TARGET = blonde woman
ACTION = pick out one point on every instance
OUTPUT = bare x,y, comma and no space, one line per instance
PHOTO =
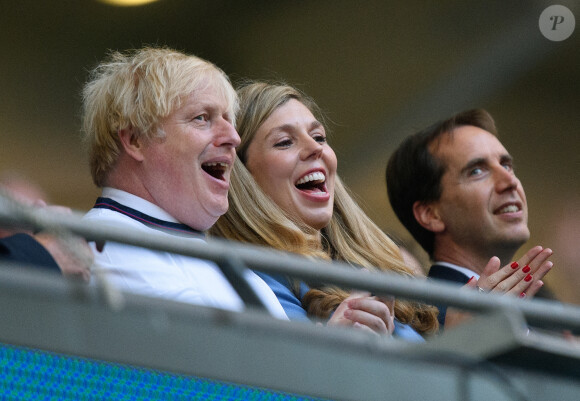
285,193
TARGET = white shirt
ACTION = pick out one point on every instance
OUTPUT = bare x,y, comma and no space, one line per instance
163,274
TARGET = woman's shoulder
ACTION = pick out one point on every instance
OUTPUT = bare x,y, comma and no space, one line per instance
406,332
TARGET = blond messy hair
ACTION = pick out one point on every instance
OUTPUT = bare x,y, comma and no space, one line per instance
351,236
137,90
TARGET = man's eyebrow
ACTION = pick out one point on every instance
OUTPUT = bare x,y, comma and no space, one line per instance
478,161
506,158
198,106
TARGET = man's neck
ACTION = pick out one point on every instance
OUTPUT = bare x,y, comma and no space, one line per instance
475,260
129,181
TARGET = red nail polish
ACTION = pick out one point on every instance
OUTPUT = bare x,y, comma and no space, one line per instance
472,277
523,295
514,265
526,269
528,277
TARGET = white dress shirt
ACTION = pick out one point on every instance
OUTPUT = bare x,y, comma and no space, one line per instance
163,274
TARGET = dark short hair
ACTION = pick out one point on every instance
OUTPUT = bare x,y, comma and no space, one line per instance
414,174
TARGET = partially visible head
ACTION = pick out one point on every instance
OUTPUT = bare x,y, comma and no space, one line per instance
22,189
160,125
137,90
412,262
411,257
457,174
283,145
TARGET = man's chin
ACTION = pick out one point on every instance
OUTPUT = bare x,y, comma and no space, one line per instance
205,221
517,238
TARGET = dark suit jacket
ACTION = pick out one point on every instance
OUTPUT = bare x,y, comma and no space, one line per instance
22,248
446,273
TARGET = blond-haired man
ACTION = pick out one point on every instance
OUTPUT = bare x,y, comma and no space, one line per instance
159,125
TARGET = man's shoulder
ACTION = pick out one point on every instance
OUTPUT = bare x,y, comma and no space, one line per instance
23,248
442,272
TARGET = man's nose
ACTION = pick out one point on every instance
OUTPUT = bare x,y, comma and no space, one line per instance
505,179
226,134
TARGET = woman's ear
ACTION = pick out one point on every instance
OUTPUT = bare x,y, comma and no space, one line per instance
132,143
427,215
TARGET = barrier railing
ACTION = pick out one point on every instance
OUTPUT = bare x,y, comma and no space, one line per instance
231,256
42,312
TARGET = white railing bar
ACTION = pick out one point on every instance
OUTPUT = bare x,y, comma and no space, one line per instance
543,313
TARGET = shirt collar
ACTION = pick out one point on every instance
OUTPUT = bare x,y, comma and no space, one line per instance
144,212
469,273
138,203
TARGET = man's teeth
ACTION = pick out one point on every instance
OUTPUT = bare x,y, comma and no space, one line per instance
509,209
318,176
221,164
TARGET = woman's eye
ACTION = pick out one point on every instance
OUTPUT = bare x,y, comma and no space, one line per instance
320,138
283,143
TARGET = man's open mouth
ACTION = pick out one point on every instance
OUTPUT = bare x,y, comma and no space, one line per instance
508,208
215,169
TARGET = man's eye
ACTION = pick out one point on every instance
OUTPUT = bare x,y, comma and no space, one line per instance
201,117
475,171
508,166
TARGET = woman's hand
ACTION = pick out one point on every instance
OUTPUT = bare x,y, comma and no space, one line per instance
366,312
521,278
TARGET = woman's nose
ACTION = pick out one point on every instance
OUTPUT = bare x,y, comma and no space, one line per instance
311,149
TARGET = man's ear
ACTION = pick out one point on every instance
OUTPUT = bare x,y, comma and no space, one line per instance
427,215
132,143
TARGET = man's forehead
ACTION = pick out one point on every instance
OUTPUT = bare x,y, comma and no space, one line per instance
465,143
211,95
201,90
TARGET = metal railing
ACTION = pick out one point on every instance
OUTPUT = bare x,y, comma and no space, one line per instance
232,257
42,312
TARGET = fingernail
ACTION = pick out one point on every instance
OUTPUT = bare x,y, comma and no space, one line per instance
523,295
514,265
528,277
526,269
472,277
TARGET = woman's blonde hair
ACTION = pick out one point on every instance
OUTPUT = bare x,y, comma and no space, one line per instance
350,237
136,90
255,218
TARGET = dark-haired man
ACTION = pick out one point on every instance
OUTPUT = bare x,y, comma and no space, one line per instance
453,187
